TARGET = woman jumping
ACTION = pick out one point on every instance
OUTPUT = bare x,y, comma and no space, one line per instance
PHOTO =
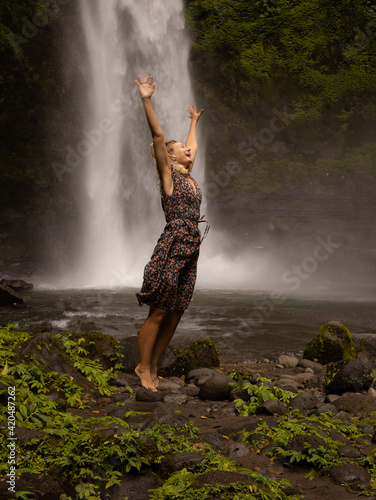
170,275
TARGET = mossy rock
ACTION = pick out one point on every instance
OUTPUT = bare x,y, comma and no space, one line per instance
350,375
332,343
101,347
199,354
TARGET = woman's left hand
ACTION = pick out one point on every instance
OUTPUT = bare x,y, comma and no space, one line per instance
193,114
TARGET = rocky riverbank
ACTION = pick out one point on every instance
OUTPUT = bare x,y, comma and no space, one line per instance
213,431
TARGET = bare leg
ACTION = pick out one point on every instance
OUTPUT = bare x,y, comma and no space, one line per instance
165,334
146,340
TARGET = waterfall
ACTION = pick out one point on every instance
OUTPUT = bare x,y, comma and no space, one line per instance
121,208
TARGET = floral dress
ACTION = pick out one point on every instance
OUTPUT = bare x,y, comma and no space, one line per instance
170,275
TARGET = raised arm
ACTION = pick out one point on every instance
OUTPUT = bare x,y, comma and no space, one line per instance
146,88
192,134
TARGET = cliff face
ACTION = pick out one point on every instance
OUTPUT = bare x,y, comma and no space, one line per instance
289,91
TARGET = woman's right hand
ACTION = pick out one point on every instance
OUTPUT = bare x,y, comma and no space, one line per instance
145,86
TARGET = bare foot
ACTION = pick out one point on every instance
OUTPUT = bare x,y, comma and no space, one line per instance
146,380
154,377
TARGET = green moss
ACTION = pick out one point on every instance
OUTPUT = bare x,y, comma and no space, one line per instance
199,354
332,343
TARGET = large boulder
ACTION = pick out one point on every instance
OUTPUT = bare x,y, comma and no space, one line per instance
350,375
17,285
333,342
183,354
8,296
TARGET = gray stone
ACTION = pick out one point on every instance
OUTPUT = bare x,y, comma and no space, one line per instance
133,487
272,407
343,416
236,450
347,375
198,376
216,388
288,361
148,396
305,401
192,391
216,441
307,363
166,384
178,461
349,474
358,405
326,408
349,451
176,398
330,398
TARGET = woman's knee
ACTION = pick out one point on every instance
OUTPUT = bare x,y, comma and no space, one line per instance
158,315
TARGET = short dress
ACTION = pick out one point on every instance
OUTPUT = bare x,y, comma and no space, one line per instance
170,275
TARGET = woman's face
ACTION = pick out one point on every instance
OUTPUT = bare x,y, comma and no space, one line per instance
181,154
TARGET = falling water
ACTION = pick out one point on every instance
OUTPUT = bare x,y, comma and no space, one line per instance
120,202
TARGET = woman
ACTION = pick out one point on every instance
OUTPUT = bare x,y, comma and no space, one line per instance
170,275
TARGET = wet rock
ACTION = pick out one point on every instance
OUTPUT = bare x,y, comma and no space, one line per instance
358,405
191,391
307,363
186,353
236,450
343,416
333,342
366,346
299,443
272,407
222,477
179,461
305,401
216,441
227,409
330,398
254,377
240,394
326,408
176,398
347,375
148,396
349,451
164,415
199,376
119,397
49,353
285,386
216,388
288,361
166,384
134,487
17,285
125,379
8,297
350,474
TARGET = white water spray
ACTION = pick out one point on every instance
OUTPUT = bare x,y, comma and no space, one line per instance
122,215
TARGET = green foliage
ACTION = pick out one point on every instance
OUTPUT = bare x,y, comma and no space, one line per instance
259,394
314,61
182,485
